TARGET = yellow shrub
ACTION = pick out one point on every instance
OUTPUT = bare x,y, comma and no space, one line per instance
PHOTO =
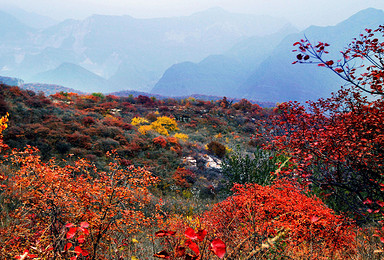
139,121
163,125
144,129
158,127
181,136
169,123
3,123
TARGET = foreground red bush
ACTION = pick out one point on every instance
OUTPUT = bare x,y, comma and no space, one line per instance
257,217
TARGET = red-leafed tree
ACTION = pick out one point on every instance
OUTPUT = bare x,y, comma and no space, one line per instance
46,201
336,144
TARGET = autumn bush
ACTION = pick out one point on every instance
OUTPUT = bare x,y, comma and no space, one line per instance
42,198
281,218
184,177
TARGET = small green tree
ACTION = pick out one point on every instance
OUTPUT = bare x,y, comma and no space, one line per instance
250,168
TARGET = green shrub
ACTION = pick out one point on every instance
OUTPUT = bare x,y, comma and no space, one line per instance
245,168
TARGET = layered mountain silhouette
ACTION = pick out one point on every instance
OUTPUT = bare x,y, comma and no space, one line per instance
69,74
210,53
30,18
266,66
276,79
220,74
128,53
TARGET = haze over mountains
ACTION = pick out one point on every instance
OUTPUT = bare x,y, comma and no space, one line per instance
273,77
128,52
212,52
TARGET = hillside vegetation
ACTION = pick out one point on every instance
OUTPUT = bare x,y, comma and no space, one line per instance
107,177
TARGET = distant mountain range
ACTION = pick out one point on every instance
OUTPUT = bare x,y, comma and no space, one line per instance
47,89
220,74
31,19
276,79
261,68
122,52
211,53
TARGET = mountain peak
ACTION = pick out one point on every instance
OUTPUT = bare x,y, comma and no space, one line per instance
370,14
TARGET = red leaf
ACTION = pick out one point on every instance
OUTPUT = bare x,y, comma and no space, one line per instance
299,56
81,239
190,233
78,250
321,65
84,252
67,246
296,43
314,219
339,70
162,254
193,246
306,57
201,234
74,257
84,225
164,233
218,247
71,233
330,62
69,225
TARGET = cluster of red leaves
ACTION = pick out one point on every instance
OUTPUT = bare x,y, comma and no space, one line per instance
161,141
344,129
183,177
174,142
171,141
367,47
336,143
72,230
257,213
195,241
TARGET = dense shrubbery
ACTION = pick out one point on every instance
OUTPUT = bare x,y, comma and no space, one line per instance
257,217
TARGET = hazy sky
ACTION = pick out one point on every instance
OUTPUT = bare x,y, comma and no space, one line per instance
301,13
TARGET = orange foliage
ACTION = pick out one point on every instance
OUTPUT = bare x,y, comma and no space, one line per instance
46,196
160,141
281,211
181,177
3,126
